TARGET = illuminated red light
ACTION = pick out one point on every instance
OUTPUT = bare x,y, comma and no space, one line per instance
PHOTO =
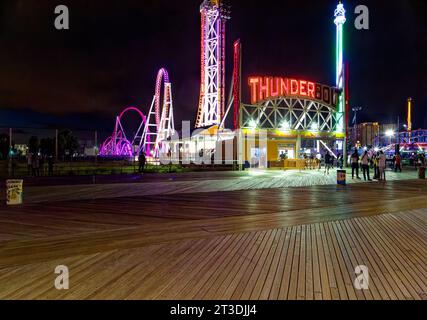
310,89
274,87
264,88
303,88
284,86
253,83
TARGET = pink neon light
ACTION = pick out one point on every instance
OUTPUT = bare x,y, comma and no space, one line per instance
220,27
202,66
117,144
263,88
161,75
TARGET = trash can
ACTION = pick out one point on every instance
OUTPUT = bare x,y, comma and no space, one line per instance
14,189
341,177
422,173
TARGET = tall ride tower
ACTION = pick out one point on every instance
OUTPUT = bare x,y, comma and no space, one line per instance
339,22
214,15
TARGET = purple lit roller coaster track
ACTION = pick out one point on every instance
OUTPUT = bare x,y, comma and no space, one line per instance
151,132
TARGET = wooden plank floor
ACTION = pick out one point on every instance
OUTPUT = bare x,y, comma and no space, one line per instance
299,243
182,184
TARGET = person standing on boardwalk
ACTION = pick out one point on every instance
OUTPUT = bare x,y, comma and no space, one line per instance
398,163
328,160
37,165
142,159
355,164
381,166
340,161
29,163
319,161
50,165
41,165
365,166
375,159
34,165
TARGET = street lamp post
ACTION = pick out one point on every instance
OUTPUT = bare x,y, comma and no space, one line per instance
356,110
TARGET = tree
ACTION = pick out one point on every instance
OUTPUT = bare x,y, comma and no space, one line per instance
33,144
67,143
4,146
47,147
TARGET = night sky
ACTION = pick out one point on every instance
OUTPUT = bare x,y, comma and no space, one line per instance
109,58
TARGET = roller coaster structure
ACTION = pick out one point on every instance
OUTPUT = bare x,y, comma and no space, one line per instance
152,131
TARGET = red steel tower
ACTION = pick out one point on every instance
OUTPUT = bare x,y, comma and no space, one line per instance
214,15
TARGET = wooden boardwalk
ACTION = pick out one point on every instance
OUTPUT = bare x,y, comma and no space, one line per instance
190,183
301,243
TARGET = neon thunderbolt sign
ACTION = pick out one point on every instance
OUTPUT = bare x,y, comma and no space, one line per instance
339,22
266,88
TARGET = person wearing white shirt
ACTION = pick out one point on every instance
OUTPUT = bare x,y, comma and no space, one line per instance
365,166
381,165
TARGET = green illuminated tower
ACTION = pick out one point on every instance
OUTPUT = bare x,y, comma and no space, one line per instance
339,21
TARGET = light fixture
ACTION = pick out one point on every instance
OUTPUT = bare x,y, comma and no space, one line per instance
285,125
389,133
253,124
314,126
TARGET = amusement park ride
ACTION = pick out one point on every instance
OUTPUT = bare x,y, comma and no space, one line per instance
152,131
214,15
289,109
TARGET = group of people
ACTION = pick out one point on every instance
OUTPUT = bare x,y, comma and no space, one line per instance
377,160
418,160
312,162
364,163
36,165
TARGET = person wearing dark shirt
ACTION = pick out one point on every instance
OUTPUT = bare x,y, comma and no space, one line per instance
142,159
355,164
398,163
328,160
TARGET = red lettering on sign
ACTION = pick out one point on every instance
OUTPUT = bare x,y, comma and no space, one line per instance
294,87
274,87
303,88
310,90
318,92
253,84
264,88
284,87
